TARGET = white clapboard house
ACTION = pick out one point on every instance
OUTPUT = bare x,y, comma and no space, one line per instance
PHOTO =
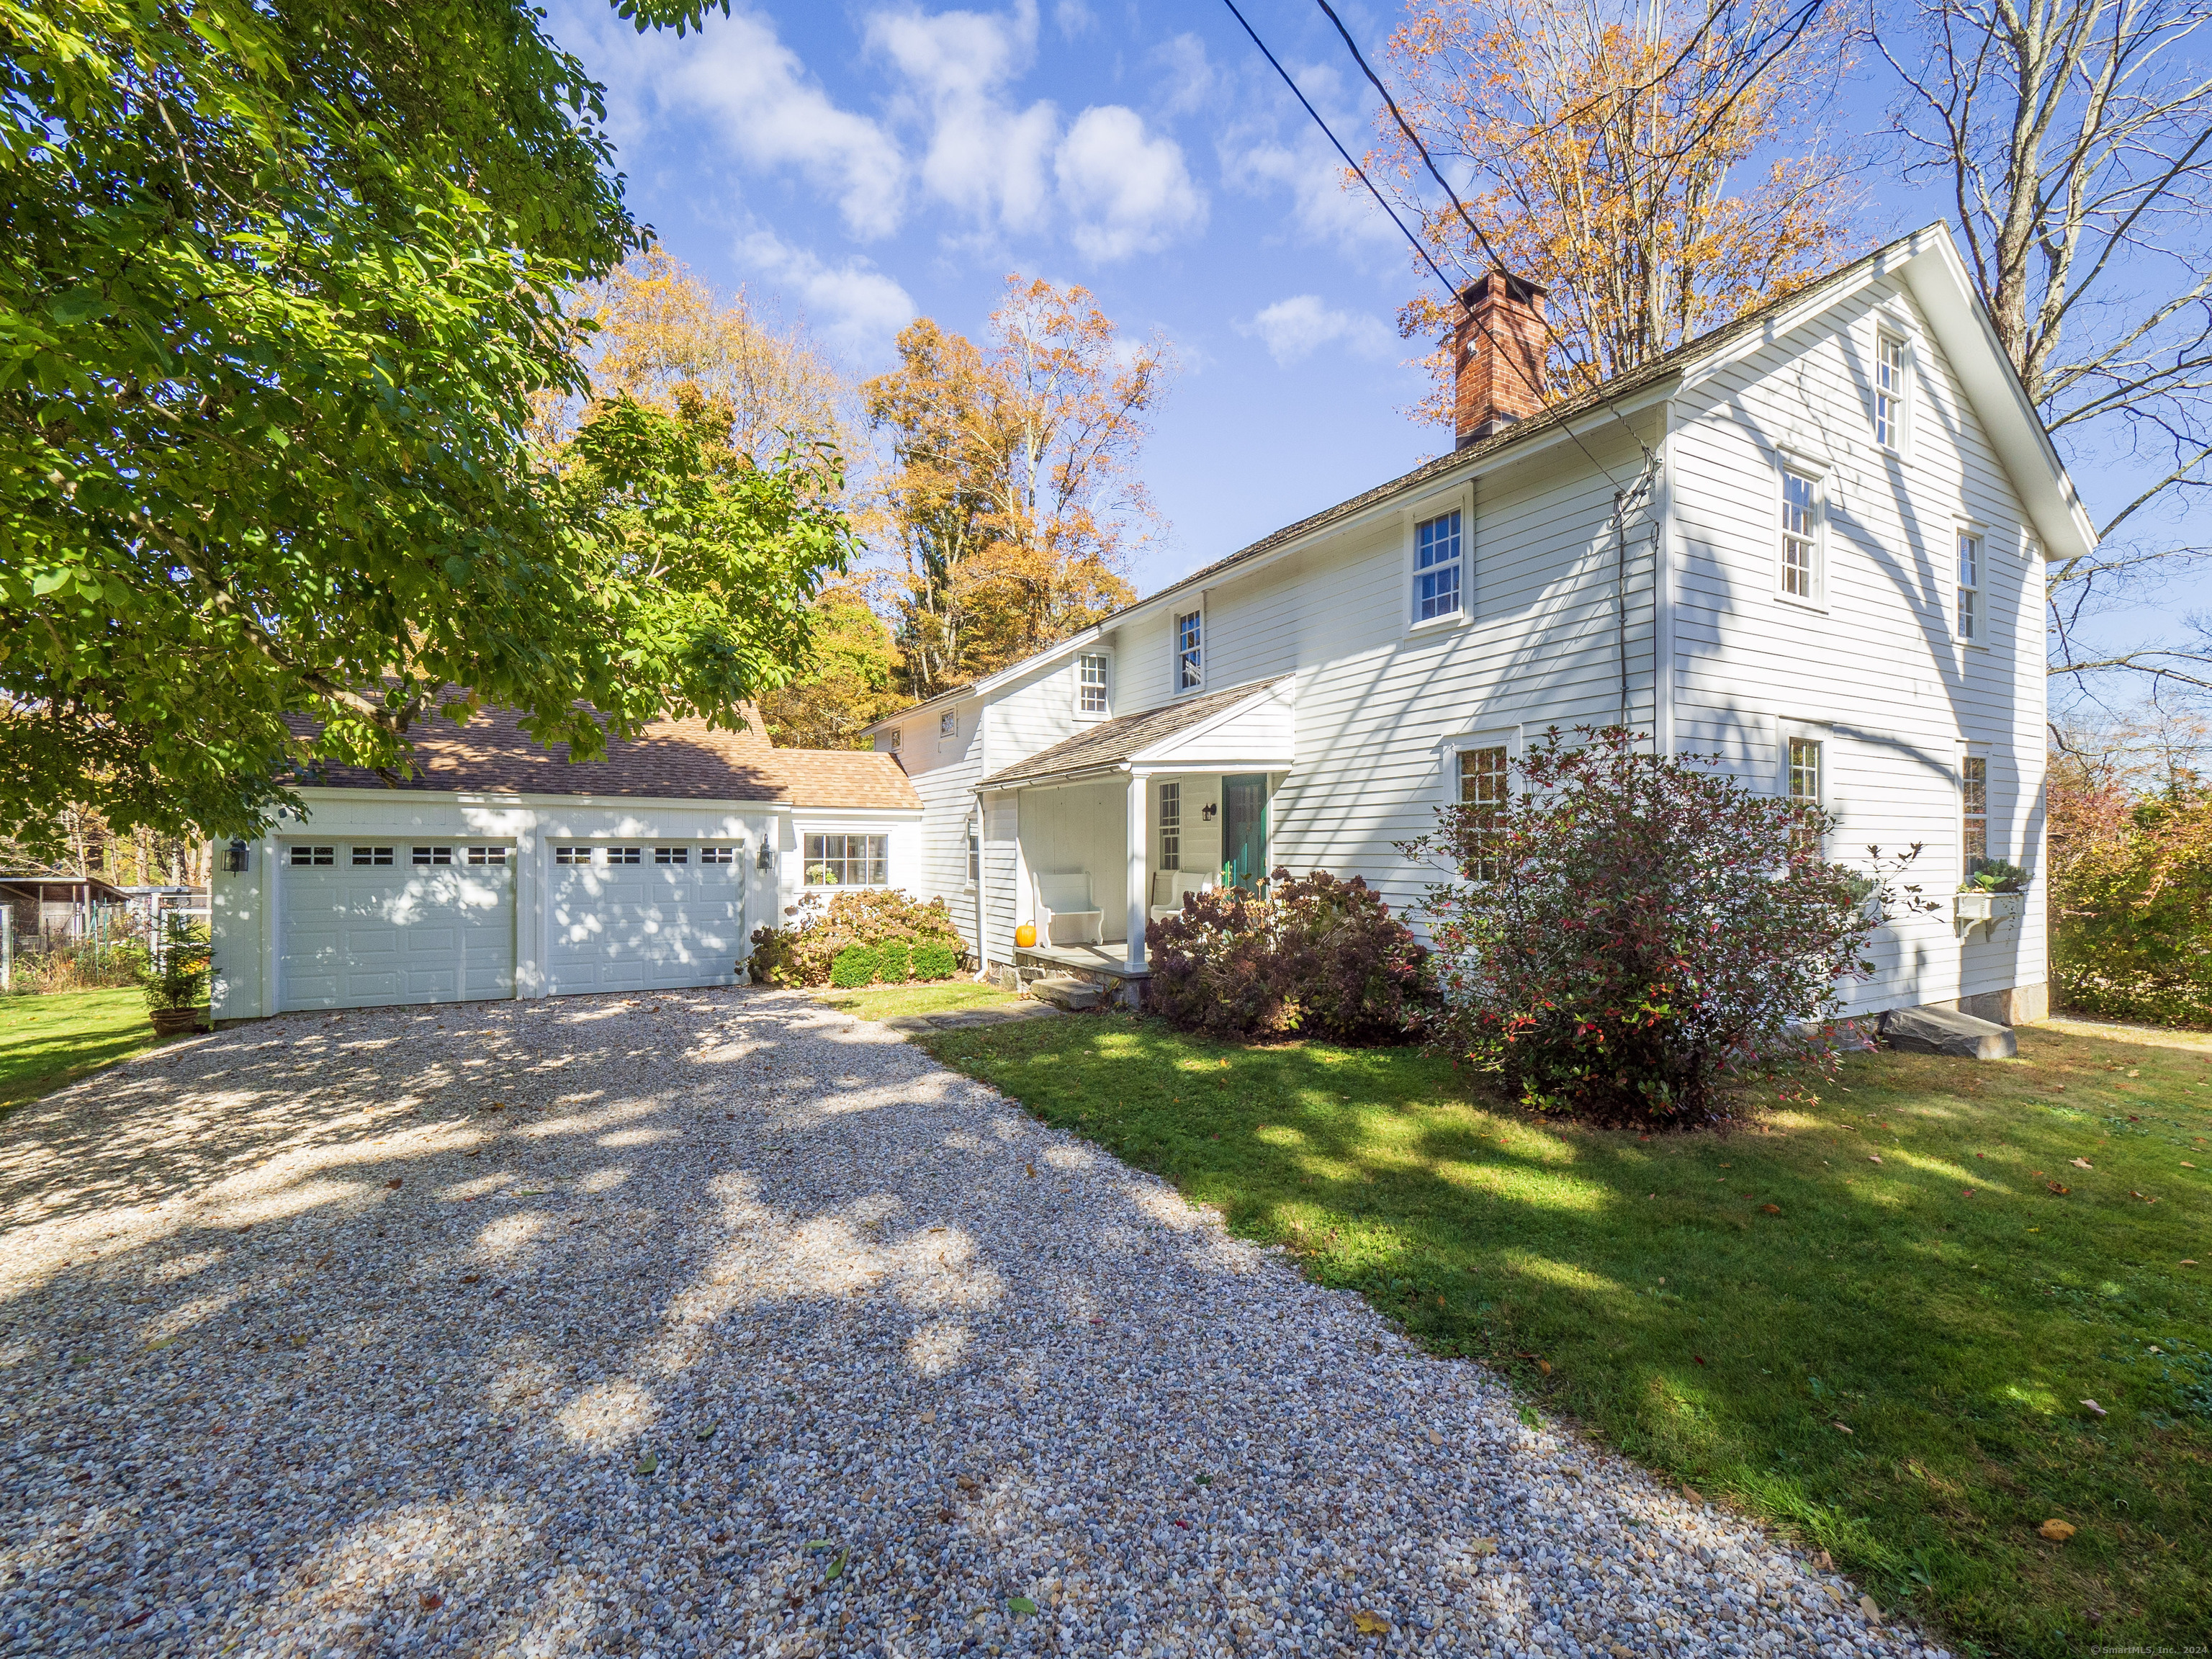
1831,574
502,869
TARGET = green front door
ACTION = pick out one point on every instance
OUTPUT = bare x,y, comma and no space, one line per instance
1244,830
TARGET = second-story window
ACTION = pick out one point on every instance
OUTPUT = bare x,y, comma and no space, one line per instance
1970,587
1436,567
1090,683
1973,813
1801,537
1190,650
948,723
1889,392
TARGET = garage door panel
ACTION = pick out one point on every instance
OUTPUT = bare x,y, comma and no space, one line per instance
353,937
639,928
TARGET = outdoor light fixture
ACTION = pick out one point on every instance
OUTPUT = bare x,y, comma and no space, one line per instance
234,860
1207,811
766,859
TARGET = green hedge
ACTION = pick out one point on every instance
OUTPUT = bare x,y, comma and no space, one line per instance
904,936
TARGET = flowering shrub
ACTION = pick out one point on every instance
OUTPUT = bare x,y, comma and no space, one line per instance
1319,957
2131,903
927,943
1638,928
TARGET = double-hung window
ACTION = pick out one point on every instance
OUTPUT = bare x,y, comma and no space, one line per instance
1091,688
1801,537
1970,587
1973,813
848,860
1436,567
1483,783
1171,826
1889,383
975,851
1190,650
1805,786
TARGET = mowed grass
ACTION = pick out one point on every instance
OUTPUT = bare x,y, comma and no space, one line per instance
935,997
48,1040
1872,1320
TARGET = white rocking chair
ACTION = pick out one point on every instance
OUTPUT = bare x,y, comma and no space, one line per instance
1064,913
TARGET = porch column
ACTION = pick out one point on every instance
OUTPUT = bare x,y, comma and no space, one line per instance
1136,847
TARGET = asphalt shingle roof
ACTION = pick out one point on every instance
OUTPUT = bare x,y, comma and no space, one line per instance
672,759
1111,742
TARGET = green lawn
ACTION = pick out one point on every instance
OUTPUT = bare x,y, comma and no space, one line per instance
941,996
46,1041
1872,1320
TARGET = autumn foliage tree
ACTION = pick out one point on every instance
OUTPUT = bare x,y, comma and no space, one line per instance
1011,493
1652,167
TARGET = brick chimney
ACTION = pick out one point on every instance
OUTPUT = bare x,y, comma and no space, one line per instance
1498,349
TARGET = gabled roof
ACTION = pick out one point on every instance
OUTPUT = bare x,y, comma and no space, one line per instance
1113,742
1928,260
672,759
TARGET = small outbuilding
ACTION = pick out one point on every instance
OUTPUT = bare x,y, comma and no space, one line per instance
500,868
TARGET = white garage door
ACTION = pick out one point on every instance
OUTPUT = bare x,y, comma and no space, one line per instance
645,916
365,924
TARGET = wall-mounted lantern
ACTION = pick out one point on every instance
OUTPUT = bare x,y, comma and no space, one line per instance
765,860
235,859
1207,811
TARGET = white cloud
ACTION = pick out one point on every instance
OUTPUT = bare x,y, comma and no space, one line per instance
1328,205
759,100
983,155
1294,329
1074,18
1182,74
852,305
1128,190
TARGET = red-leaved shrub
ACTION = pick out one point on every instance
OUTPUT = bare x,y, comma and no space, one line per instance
1627,930
1317,957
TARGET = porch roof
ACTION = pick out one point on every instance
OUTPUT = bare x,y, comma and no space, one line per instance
1153,735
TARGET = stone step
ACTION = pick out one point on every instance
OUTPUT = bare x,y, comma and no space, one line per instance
1065,991
1947,1031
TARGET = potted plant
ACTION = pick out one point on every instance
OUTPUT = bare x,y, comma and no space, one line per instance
1995,893
176,979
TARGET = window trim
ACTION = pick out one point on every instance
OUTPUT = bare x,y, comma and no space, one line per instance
1175,649
948,725
1970,752
1447,754
1161,828
1886,332
888,742
1459,500
974,825
1819,473
845,858
1106,685
1963,529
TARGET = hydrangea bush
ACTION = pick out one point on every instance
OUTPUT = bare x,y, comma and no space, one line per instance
899,937
1628,930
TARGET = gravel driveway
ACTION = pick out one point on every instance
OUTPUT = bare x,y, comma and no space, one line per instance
718,1322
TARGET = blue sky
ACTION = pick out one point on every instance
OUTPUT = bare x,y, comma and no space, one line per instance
867,163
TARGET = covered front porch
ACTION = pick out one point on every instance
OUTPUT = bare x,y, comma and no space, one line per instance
1114,825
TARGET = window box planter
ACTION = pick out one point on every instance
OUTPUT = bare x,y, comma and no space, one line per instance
1987,911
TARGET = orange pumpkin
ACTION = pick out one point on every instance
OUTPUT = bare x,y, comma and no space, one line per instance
1026,935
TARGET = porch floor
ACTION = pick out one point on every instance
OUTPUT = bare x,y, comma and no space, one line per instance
1108,959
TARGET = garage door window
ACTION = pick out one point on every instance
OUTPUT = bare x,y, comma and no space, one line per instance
848,860
433,856
372,855
314,855
625,855
572,856
487,855
671,855
717,855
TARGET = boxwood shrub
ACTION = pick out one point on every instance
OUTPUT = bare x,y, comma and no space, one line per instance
825,927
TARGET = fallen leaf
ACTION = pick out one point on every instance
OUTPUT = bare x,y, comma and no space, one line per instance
1967,1193
323,1261
648,1464
2188,1262
2082,1164
929,1416
2095,1407
1692,1494
1841,1428
708,1433
2146,1198
1825,1562
1029,1168
471,1279
1873,1157
837,1569
1771,1209
1020,1604
2056,1188
2056,1530
1435,1439
1872,1612
1483,1547
1699,1358
393,1183
1370,1624
431,1601
1545,1366
2186,1165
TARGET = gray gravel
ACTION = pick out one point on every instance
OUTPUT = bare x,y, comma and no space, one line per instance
715,1323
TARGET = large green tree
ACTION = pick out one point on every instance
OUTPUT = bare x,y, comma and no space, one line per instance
278,284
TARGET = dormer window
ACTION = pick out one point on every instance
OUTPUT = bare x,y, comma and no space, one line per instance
1190,650
948,723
